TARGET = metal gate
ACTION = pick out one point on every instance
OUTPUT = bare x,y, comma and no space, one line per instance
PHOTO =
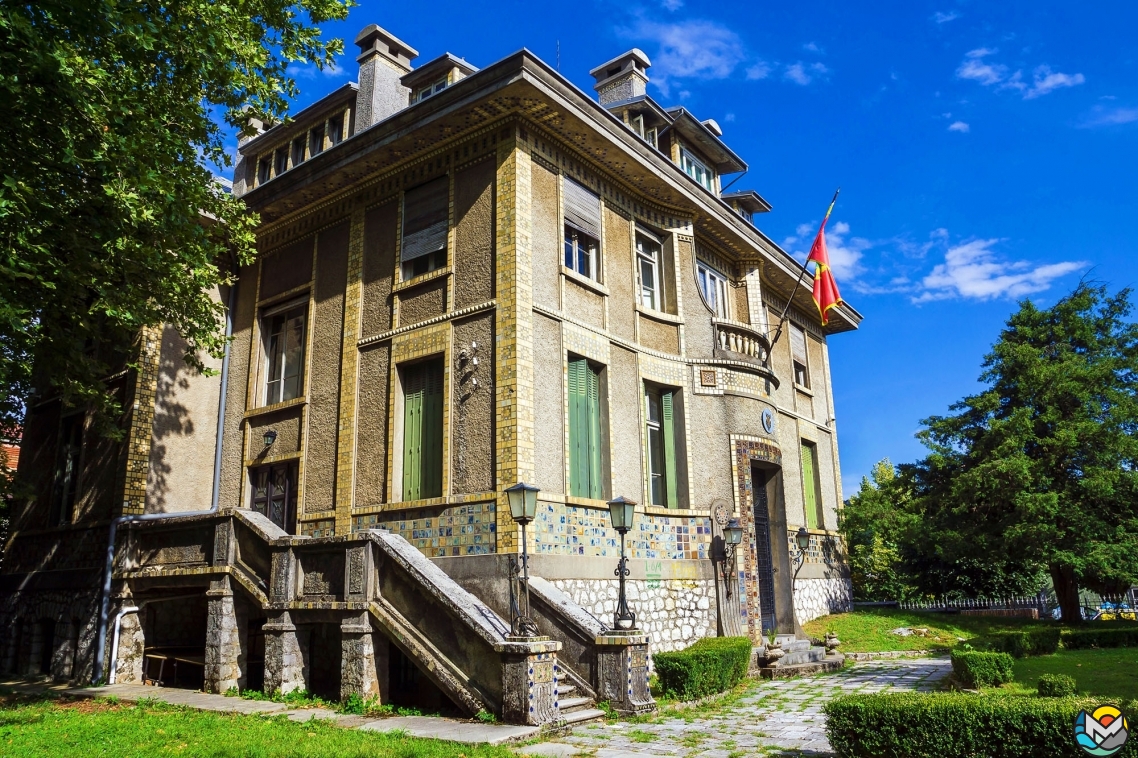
764,565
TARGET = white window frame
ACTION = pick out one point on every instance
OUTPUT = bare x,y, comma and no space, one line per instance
651,258
573,247
714,286
432,89
696,169
266,335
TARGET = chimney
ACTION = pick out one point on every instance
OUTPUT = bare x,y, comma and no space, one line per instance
622,78
383,59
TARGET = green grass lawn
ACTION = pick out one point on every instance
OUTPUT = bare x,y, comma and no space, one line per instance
1108,673
867,630
35,727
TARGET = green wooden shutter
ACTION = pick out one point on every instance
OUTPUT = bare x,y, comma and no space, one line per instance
578,429
594,418
432,468
413,397
809,485
668,427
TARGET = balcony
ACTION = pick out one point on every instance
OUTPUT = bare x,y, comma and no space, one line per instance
740,342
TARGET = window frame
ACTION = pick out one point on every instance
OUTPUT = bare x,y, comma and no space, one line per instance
817,519
266,335
691,165
422,430
434,260
662,461
431,89
655,261
573,251
797,332
721,304
585,415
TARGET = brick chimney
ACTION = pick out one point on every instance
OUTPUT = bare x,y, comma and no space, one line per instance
622,78
383,59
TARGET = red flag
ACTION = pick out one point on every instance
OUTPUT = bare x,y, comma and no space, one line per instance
826,295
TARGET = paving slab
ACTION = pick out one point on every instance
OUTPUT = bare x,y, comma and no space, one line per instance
549,750
189,698
449,729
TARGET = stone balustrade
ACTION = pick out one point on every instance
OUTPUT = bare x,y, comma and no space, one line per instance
739,341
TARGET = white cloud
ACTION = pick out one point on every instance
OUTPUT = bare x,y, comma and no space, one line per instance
971,270
673,5
943,18
958,126
975,68
812,47
804,73
310,72
729,117
845,251
758,70
1100,116
1046,81
690,50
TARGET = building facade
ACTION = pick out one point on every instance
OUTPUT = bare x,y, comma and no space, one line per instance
467,278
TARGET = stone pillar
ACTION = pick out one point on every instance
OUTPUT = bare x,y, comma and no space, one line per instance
529,681
284,660
130,666
223,643
622,665
358,673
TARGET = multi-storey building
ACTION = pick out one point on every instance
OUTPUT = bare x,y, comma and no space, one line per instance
467,278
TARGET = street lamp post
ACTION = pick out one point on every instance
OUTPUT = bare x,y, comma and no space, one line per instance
732,536
622,511
523,508
802,540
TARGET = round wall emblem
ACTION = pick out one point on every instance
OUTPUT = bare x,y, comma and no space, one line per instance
768,420
720,512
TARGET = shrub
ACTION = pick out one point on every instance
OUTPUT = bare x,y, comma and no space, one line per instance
976,668
1024,642
713,664
956,725
1081,639
1056,685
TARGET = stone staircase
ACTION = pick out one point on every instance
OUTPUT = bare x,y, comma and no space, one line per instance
576,708
802,658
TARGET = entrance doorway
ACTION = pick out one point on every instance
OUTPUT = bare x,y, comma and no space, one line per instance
764,554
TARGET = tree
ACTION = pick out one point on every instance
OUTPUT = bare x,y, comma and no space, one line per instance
110,217
1040,466
873,522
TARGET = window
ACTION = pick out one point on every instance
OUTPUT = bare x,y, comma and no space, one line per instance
431,89
284,353
585,430
68,451
660,415
280,161
714,287
336,129
810,486
274,493
316,140
298,151
648,268
582,229
425,212
264,170
798,356
696,170
423,430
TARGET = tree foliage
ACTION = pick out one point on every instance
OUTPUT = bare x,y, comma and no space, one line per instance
1035,473
110,218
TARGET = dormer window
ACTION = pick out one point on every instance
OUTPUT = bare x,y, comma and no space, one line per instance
298,151
280,161
264,170
694,168
316,140
336,129
431,89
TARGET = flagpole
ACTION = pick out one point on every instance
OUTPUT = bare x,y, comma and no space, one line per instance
797,284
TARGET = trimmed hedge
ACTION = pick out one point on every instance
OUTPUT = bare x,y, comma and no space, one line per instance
1082,639
977,668
713,664
1025,642
1056,685
953,725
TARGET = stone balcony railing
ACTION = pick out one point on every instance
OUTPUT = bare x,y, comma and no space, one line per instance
737,341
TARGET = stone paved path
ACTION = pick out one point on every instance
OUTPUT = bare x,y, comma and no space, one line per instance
782,717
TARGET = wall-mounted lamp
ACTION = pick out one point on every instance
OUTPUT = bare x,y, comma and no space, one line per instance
732,536
270,437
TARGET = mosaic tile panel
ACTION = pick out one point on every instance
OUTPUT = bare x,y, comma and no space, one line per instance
561,529
468,529
321,528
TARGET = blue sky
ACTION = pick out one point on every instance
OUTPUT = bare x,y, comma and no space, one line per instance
986,152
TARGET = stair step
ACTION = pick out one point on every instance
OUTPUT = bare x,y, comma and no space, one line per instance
809,655
794,646
579,716
570,703
565,689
